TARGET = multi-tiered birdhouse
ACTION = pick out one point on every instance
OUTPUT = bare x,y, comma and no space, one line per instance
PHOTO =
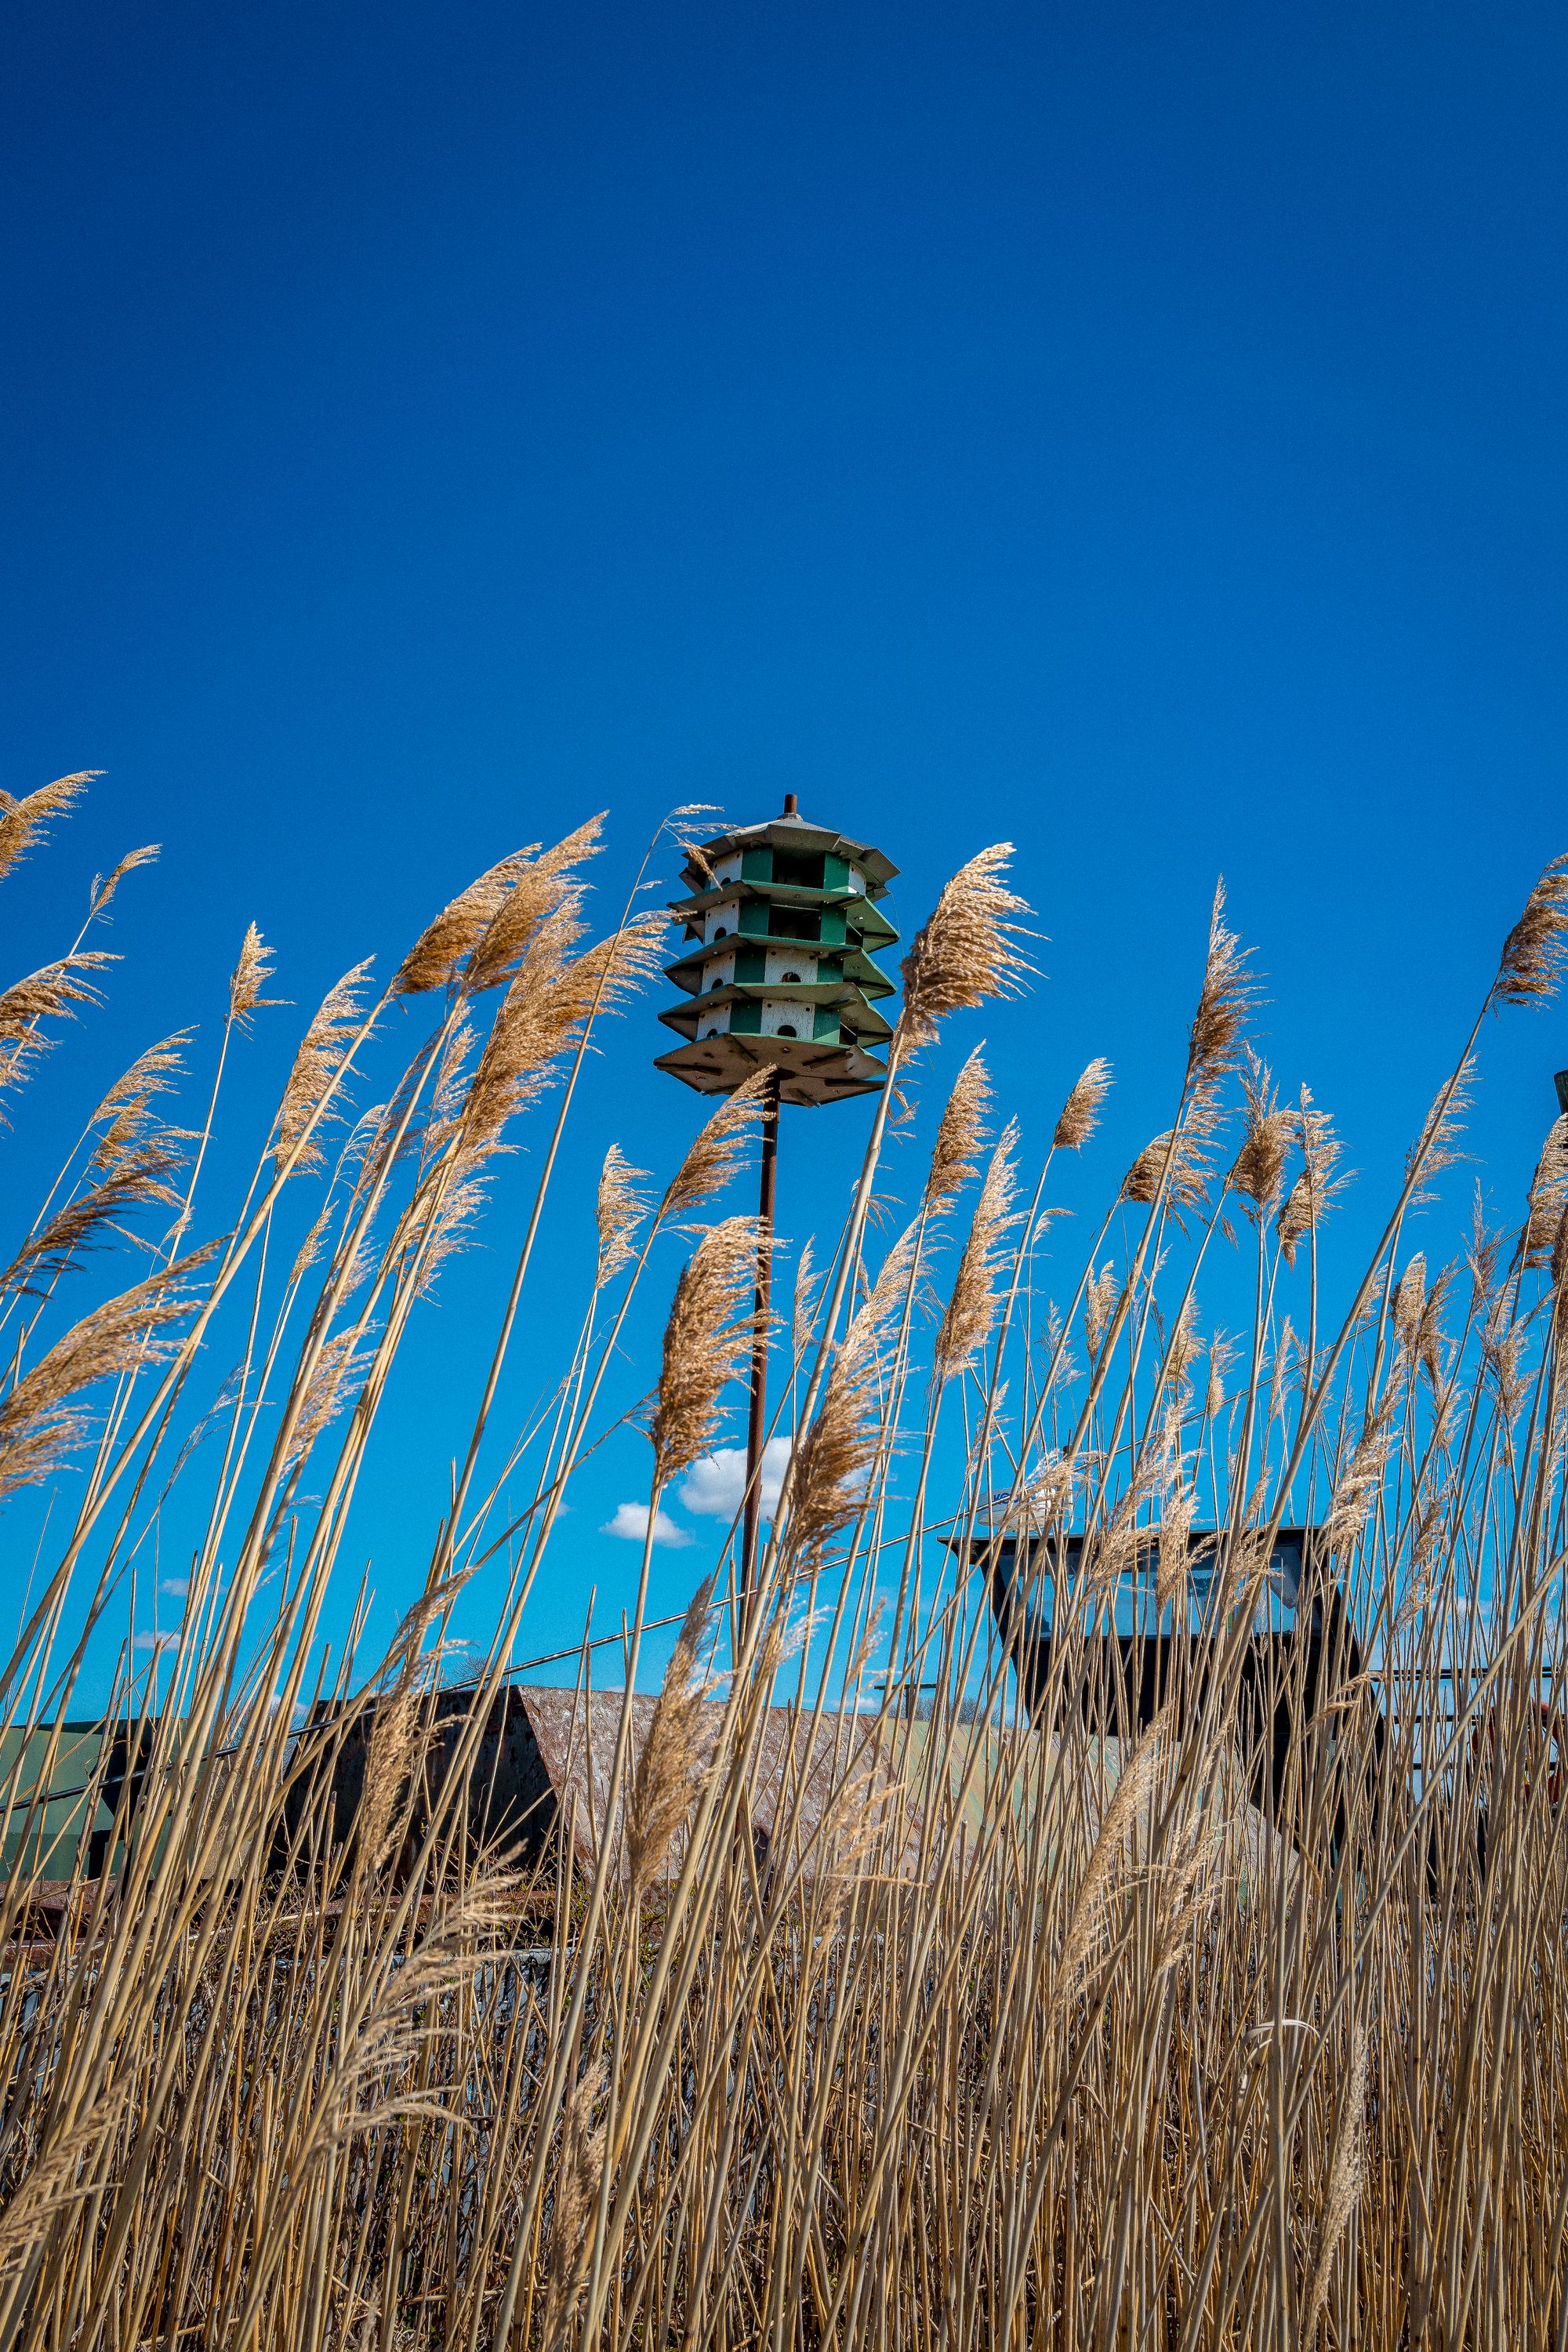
782,930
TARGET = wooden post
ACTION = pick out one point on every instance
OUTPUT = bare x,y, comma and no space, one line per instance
757,1425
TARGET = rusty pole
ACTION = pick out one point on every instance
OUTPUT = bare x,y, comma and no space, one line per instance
757,1425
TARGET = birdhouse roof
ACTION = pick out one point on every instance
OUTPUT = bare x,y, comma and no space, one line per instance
799,833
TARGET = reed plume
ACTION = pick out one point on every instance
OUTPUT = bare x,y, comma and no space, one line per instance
50,993
1436,1146
536,892
960,1134
25,822
1099,1294
1359,1481
1308,1202
124,1113
138,1178
341,1371
1225,1001
69,2167
545,1010
1081,1112
251,975
1346,2175
1118,1825
438,955
577,2173
1548,1197
317,1064
620,1207
1175,1549
966,950
674,1754
717,1151
104,886
37,1422
1179,1159
704,1345
825,1483
1258,1168
803,1317
970,1312
1531,967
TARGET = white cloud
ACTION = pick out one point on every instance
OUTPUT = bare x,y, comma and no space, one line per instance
630,1522
159,1641
713,1487
177,1587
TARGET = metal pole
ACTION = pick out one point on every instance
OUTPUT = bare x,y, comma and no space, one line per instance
757,1425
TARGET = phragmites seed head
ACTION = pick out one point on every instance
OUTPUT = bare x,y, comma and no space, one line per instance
1259,1166
825,1483
479,935
1548,1196
249,977
26,822
37,1422
50,994
125,1113
1225,1001
1359,1481
605,976
690,826
803,1320
438,954
341,1369
619,1210
1436,1146
971,1310
1045,1497
1098,1303
138,1176
1129,1801
673,1755
1222,1358
960,1134
1081,1112
706,1340
535,1021
1347,2178
47,994
717,1151
577,2173
1181,1352
1307,1202
104,886
320,1057
1175,1549
1409,1302
538,887
1177,1159
965,951
1534,950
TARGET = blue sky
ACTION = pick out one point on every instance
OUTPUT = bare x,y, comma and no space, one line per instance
1131,431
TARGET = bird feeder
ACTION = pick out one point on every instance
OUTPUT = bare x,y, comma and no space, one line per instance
782,928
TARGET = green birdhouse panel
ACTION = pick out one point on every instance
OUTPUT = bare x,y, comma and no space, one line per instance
780,927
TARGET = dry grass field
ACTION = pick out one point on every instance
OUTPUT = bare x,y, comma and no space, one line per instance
1008,2035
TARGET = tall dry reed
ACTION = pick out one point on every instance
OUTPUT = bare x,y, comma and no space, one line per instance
871,2006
